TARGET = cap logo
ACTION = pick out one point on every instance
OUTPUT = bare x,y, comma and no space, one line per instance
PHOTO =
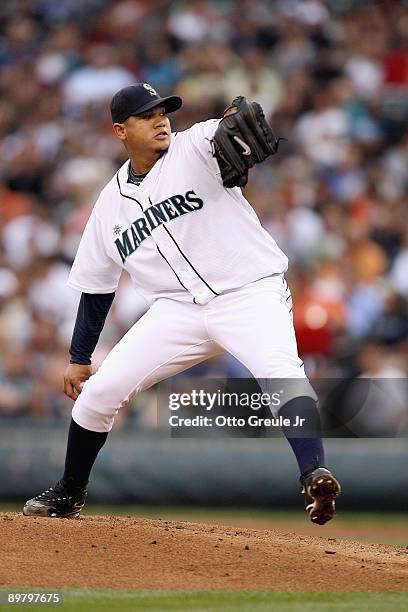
150,89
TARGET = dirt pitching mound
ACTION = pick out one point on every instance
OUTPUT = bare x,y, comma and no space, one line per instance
134,553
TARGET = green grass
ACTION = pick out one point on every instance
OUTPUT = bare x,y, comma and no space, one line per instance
227,601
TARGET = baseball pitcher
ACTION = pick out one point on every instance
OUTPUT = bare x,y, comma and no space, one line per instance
174,217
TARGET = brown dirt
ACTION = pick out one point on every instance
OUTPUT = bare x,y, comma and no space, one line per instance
378,531
135,553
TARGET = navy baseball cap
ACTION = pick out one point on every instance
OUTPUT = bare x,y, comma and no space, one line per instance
136,99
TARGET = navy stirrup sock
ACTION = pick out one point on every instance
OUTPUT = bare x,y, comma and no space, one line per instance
82,449
308,451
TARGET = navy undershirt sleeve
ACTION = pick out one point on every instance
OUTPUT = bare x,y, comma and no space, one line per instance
92,312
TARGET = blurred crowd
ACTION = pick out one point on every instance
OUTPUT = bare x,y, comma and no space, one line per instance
332,77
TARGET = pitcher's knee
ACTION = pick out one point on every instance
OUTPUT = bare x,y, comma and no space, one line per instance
280,366
99,402
92,419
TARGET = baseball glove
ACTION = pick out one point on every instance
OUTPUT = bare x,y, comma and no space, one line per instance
242,140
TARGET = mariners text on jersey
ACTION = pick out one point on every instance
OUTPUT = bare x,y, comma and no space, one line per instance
167,210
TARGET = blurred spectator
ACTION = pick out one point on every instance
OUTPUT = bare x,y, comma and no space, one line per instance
323,131
98,79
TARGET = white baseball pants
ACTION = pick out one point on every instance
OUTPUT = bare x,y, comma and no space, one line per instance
253,323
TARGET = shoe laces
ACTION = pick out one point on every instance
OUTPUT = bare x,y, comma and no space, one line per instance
55,493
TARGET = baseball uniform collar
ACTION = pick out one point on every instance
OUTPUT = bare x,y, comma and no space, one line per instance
130,189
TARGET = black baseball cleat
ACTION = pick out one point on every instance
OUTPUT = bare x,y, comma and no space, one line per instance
320,489
59,501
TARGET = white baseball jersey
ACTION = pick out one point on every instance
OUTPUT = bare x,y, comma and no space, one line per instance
179,234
